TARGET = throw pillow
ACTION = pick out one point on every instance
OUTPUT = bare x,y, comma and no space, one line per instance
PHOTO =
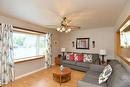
80,58
87,58
105,74
71,56
76,57
102,79
107,71
67,56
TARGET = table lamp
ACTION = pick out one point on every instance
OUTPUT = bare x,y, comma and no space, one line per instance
103,54
63,51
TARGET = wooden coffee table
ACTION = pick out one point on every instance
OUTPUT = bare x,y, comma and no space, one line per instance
60,76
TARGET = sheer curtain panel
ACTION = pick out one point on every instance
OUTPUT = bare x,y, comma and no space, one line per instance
6,56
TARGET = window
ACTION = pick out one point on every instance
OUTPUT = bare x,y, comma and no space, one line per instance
28,45
125,39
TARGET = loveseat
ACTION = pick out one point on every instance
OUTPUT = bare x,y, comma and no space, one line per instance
119,77
82,66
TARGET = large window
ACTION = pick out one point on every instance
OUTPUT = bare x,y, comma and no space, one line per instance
125,39
28,45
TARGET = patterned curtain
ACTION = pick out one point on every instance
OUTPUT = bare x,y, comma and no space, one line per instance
6,44
48,54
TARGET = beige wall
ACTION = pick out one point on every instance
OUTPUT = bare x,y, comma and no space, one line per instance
103,37
27,67
121,19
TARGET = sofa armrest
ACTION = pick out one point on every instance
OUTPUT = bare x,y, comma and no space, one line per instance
82,83
96,68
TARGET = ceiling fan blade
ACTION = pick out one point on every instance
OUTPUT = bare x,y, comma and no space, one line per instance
51,26
64,23
74,27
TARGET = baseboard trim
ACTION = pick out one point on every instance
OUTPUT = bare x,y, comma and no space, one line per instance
21,76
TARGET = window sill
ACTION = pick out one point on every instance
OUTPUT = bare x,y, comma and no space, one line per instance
127,60
28,59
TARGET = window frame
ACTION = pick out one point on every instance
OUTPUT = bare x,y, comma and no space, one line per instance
118,44
29,59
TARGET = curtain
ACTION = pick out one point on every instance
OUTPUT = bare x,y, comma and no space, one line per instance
48,54
6,44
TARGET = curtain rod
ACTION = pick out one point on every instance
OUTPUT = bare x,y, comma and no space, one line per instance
26,29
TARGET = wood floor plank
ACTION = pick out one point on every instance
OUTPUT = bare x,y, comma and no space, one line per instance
44,79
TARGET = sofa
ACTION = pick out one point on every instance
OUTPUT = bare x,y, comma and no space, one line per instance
119,77
81,66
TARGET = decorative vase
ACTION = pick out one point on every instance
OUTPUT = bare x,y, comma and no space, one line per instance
62,68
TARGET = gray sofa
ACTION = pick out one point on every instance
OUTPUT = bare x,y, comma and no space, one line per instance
119,77
82,66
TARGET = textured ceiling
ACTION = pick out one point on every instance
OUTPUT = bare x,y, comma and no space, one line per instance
85,13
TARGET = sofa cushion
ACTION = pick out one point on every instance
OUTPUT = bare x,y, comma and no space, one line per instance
119,75
94,81
85,84
82,64
115,67
114,64
96,68
69,62
92,74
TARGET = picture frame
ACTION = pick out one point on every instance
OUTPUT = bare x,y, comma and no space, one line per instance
82,43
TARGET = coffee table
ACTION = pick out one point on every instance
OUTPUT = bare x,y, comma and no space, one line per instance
62,76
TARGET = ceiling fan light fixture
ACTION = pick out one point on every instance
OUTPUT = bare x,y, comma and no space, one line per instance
69,29
66,31
63,29
58,29
65,26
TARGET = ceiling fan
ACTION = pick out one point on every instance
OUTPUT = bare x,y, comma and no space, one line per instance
65,25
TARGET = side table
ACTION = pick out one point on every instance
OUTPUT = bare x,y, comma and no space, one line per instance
58,60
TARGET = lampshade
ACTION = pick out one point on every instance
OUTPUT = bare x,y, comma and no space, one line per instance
62,49
102,52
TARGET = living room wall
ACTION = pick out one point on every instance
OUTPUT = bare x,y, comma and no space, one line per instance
103,37
24,68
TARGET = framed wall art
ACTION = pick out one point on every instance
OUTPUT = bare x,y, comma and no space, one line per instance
82,43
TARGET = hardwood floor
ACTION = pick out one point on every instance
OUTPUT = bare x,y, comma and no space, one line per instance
44,79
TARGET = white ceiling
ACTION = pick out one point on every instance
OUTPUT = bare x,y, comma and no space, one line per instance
85,13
